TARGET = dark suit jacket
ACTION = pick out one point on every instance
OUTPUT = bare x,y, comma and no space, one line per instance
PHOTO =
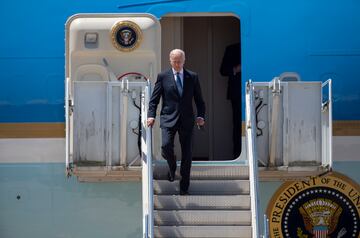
175,107
231,59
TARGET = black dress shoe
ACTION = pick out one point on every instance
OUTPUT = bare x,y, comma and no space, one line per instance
182,193
171,176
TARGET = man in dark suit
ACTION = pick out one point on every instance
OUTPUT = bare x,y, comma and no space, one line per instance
231,67
177,87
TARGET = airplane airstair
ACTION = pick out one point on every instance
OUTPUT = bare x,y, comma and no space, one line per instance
218,204
222,200
107,89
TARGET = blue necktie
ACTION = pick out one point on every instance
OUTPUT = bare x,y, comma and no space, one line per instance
179,84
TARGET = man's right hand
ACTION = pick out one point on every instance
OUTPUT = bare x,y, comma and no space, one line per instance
150,121
236,69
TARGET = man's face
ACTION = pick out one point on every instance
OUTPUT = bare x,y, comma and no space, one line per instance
177,62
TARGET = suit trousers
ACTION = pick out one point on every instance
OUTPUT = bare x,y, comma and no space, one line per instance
237,127
167,150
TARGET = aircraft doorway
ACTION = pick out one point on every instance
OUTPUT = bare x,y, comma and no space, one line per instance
204,40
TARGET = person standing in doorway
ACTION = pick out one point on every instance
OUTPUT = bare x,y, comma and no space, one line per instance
231,67
177,87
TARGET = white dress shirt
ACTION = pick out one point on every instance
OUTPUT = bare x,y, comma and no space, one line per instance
181,74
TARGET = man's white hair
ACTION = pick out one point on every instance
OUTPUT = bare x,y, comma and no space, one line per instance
177,52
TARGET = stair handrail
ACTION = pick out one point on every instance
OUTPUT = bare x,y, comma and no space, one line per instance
67,125
329,134
266,226
147,169
252,158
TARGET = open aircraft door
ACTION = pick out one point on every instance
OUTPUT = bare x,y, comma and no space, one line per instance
111,60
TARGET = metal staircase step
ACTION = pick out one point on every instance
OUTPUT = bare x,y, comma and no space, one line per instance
205,217
202,231
218,204
202,202
204,187
207,172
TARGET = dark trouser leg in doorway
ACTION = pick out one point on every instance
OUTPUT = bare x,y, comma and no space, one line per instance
236,108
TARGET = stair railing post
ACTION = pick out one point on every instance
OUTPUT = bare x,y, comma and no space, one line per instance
327,126
67,125
147,170
252,158
266,227
330,125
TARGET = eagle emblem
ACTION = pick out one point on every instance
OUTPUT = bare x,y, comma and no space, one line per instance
320,216
126,36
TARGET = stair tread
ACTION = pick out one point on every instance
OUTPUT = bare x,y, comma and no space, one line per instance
201,202
207,172
204,187
202,231
218,204
203,217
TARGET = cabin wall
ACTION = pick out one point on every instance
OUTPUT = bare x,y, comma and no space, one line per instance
204,40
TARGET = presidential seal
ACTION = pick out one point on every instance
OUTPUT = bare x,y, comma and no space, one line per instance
320,207
126,36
